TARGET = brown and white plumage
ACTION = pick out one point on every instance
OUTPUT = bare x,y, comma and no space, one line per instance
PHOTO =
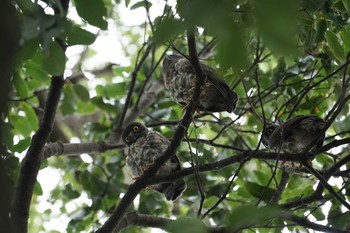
144,147
294,135
179,78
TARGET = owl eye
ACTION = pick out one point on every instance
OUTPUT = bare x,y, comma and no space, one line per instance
135,128
269,131
127,139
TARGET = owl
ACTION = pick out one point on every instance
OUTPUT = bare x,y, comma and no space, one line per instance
180,78
294,135
144,147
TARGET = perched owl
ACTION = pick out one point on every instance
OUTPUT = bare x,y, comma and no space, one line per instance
179,78
144,147
294,135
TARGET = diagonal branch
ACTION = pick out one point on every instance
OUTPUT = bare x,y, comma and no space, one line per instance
307,224
31,162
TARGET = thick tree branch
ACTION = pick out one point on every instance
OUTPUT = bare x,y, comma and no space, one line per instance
9,37
31,162
72,149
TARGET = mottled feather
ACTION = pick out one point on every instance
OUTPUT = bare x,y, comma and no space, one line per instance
294,135
144,147
179,78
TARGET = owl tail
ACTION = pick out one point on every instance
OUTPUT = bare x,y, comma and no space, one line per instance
173,190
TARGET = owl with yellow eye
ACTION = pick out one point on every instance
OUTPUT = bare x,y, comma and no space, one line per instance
144,147
295,135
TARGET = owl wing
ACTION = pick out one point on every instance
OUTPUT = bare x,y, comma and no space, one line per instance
312,124
157,142
161,143
174,189
284,131
216,80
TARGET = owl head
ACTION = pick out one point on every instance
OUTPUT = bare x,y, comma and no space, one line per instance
133,132
169,59
267,135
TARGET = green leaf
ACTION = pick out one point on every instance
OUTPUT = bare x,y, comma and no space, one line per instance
127,3
93,11
247,215
77,35
35,70
55,60
114,90
86,107
22,145
347,5
69,192
98,101
30,8
20,86
312,5
334,45
27,50
68,105
81,92
209,202
324,160
187,225
337,219
345,36
31,115
22,125
321,29
259,191
167,29
141,4
37,189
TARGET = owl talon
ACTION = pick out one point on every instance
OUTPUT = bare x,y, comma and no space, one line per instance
147,166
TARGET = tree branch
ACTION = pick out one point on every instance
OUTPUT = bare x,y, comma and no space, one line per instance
306,223
71,149
9,39
31,162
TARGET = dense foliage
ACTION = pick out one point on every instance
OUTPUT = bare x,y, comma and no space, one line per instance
283,58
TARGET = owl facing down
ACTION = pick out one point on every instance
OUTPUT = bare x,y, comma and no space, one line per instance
144,147
294,135
179,78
